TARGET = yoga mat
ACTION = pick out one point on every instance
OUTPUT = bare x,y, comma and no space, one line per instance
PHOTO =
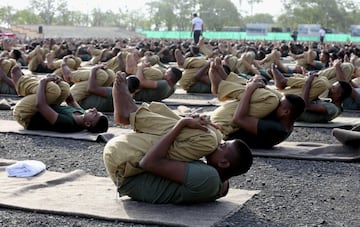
191,102
14,127
79,194
311,151
347,137
339,122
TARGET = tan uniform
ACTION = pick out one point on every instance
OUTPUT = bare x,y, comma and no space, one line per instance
304,60
191,67
34,62
356,81
113,63
330,73
151,121
263,102
236,64
27,87
296,83
95,56
270,59
80,78
6,65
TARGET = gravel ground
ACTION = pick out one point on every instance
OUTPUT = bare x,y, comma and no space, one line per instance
293,192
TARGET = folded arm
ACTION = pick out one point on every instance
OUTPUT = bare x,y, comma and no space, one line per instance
43,107
156,161
93,87
241,117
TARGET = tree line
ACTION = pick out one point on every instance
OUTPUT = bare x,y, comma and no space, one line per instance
171,15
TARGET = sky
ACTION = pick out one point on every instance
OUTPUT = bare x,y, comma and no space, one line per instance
272,7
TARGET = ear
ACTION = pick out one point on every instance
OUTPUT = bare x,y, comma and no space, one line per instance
286,111
223,164
87,124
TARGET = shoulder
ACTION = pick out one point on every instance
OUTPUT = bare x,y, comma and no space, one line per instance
202,182
197,170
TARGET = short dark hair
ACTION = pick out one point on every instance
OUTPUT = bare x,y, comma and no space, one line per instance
195,14
177,74
133,83
240,162
346,89
17,53
297,105
101,125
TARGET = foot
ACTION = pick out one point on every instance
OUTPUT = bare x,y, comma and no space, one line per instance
16,74
66,72
124,104
50,60
215,75
201,42
131,63
279,79
179,58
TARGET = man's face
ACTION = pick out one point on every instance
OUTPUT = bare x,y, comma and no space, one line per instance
92,116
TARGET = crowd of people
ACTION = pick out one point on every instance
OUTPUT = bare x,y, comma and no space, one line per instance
65,85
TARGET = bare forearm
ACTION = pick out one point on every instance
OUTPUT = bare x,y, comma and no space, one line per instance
306,89
243,107
201,75
160,150
41,95
92,79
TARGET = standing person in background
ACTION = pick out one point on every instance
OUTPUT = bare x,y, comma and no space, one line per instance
197,27
294,35
322,35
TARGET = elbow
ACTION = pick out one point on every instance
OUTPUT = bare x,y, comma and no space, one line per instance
142,164
237,122
90,90
145,164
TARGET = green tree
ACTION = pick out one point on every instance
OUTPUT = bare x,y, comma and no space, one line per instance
153,9
97,16
259,18
218,14
47,9
183,12
25,16
5,14
163,13
339,14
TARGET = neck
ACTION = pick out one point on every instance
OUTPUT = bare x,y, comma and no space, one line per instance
337,102
79,118
287,123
